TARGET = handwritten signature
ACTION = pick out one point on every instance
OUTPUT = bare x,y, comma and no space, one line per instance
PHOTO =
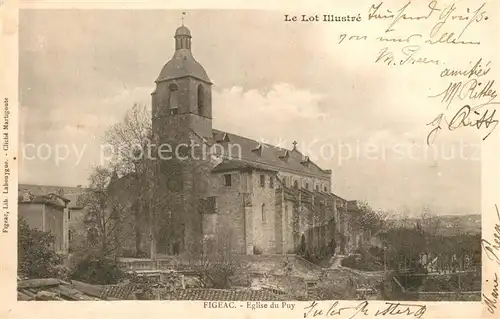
493,249
391,309
466,116
492,301
409,56
471,89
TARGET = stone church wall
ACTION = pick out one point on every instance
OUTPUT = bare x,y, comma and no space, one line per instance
226,227
289,236
303,181
264,213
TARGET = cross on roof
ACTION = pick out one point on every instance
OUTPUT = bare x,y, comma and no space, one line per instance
182,17
294,145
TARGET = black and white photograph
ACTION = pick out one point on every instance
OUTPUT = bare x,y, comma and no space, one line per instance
257,155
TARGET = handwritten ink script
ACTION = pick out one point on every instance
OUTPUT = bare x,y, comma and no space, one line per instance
467,116
363,309
492,250
491,300
476,96
449,24
410,33
442,16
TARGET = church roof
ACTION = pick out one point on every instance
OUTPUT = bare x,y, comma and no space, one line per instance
246,150
231,165
182,65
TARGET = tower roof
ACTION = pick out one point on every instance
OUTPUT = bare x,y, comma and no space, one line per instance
182,30
183,64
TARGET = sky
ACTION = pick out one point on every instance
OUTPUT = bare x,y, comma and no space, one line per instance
81,70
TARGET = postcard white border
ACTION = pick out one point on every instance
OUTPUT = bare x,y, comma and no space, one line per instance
11,308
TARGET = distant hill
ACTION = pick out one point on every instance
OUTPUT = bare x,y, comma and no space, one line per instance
470,224
449,225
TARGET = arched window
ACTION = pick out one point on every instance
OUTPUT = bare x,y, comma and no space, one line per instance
173,99
263,212
201,99
295,184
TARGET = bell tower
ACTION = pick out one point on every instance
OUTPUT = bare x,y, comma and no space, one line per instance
182,100
182,117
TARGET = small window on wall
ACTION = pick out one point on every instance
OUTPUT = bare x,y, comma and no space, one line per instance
262,180
317,188
263,213
295,184
69,235
173,99
307,186
326,189
271,182
69,214
228,180
201,99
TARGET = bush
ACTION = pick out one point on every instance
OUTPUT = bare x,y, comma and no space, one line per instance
363,261
221,274
36,255
344,289
94,270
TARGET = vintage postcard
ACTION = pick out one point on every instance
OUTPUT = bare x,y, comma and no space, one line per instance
323,159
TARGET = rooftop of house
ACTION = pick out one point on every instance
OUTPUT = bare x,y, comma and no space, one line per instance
222,295
56,289
263,155
39,192
51,289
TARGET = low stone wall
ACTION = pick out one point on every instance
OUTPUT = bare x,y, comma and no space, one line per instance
292,286
272,264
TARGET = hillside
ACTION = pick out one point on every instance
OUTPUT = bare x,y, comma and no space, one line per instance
449,225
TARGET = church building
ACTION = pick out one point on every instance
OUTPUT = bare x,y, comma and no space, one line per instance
234,192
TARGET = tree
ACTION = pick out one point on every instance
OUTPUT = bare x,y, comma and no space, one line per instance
369,219
106,216
108,225
131,142
36,255
135,154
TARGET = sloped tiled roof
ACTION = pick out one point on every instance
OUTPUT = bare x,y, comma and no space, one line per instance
121,292
230,165
49,289
69,193
222,294
291,192
41,200
269,156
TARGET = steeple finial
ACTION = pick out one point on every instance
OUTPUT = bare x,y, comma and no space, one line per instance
182,17
182,36
294,145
